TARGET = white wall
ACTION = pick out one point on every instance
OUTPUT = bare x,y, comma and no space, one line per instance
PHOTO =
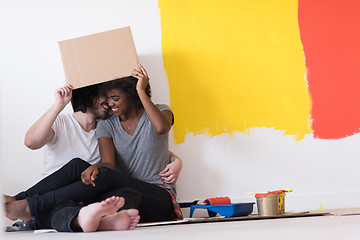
321,173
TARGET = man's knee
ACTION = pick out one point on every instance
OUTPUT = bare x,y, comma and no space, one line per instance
78,162
75,167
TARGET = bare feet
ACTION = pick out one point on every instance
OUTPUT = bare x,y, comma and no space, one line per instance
123,220
90,216
8,199
18,210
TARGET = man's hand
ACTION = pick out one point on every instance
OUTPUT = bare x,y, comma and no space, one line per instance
63,95
171,172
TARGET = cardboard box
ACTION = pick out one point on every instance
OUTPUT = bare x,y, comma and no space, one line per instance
98,57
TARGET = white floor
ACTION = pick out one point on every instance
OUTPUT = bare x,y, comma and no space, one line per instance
321,227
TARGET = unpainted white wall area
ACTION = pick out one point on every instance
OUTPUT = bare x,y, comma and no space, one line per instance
321,173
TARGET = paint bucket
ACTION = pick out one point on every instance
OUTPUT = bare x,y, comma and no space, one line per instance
282,195
267,204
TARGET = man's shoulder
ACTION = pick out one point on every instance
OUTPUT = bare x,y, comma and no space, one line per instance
66,120
65,117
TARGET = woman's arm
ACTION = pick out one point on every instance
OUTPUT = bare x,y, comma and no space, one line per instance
40,133
171,172
107,153
160,120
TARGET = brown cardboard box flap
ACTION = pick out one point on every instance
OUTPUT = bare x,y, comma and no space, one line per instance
98,57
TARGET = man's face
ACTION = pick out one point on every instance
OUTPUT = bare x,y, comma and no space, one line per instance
101,109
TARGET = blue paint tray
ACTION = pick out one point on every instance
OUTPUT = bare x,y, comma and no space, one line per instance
226,210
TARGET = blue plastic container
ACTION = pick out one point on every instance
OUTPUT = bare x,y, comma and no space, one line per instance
226,210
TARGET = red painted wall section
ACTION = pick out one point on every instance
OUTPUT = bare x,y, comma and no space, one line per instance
330,33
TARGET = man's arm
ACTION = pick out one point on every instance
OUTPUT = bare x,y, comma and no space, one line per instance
40,133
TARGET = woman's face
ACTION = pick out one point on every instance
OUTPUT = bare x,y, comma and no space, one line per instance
118,102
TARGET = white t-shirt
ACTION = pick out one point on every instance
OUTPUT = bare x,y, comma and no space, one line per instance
70,141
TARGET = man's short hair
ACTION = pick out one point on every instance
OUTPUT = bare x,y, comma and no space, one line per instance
85,98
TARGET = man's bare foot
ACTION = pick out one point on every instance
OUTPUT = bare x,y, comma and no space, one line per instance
8,199
123,220
89,217
18,210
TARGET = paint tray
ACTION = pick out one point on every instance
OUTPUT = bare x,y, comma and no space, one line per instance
226,210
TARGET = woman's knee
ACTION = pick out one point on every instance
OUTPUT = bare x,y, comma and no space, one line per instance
104,171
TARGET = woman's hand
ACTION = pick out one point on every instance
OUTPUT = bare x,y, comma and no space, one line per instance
143,78
89,175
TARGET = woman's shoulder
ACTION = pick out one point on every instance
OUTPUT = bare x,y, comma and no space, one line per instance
109,120
163,107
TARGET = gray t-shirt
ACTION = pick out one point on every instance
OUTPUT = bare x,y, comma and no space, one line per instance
142,156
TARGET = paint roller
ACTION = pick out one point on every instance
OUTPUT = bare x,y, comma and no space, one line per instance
208,201
217,201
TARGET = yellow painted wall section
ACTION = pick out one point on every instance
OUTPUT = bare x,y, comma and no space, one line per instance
234,65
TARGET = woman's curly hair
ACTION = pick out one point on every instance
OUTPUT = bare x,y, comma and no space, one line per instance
128,86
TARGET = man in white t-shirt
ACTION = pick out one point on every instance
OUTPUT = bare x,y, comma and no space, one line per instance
72,135
65,136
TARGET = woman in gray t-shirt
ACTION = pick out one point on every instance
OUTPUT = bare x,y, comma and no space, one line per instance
134,143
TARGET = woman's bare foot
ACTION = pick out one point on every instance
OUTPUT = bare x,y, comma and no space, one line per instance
8,199
18,210
89,217
123,220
